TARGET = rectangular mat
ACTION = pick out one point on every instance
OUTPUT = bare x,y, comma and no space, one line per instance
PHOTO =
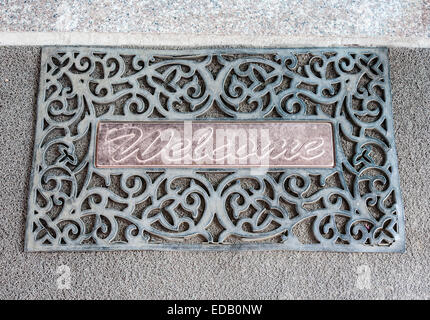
215,149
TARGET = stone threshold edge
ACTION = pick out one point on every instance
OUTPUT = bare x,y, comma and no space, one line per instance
200,40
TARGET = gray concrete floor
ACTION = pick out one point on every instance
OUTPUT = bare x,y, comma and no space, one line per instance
268,23
307,18
209,275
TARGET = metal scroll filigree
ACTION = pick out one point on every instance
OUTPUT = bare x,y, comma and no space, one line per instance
355,206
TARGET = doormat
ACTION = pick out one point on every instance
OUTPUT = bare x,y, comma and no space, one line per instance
215,149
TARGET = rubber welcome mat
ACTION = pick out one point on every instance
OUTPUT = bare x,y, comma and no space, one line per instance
215,149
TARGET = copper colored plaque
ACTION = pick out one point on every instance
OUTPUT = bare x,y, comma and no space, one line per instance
215,144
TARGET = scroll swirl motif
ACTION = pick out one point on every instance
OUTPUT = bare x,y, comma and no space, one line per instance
355,206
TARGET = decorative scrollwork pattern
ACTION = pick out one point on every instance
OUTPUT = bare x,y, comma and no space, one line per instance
74,205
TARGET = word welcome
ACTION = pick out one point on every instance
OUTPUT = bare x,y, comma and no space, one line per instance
220,144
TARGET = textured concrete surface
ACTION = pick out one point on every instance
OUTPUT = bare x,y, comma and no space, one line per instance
208,275
267,17
266,22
